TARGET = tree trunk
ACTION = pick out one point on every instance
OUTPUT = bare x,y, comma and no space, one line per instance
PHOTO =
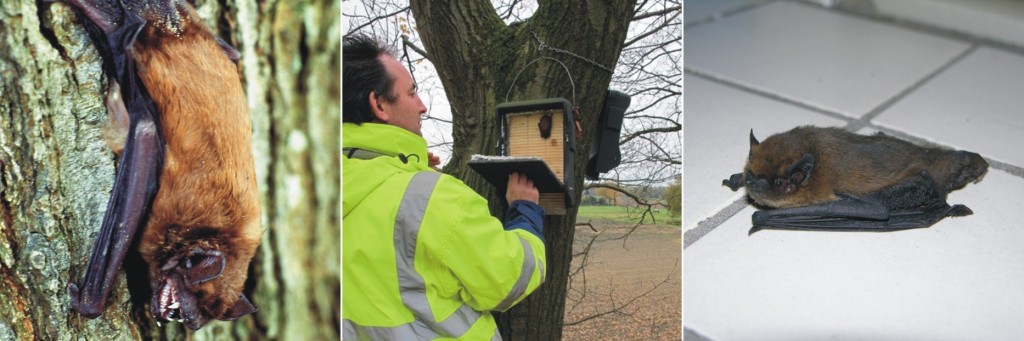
56,173
477,56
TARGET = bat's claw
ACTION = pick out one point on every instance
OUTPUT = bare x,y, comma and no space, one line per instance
959,211
84,309
759,219
753,229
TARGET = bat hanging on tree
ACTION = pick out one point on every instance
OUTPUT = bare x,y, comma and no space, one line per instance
186,170
832,179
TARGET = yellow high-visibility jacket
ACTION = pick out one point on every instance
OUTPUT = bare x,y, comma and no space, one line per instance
422,258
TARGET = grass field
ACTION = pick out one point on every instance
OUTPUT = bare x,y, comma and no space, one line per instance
626,215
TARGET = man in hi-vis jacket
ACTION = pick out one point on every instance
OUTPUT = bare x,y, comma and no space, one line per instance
422,258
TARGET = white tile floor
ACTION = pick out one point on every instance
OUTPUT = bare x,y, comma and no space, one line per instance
826,60
698,10
991,19
772,66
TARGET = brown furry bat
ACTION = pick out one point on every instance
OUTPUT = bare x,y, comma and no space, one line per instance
828,178
186,171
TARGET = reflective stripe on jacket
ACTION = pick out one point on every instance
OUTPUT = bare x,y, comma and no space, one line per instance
422,257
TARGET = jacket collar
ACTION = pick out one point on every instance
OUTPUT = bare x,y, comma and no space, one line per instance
386,139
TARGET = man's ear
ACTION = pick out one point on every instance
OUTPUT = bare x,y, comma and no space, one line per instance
377,108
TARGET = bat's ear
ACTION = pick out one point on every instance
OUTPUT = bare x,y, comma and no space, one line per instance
801,170
242,307
203,266
753,140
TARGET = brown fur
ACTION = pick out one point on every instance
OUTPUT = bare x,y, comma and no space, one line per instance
847,163
207,197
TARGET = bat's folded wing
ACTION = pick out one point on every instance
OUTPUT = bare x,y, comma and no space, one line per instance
113,30
854,214
134,188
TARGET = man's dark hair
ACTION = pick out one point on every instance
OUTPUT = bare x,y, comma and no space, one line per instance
362,73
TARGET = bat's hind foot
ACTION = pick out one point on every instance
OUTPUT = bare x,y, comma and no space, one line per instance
973,169
959,211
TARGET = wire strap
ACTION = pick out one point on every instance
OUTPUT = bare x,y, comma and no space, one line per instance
573,84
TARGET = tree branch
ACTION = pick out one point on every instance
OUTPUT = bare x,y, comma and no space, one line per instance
408,43
637,134
371,21
511,7
669,22
655,13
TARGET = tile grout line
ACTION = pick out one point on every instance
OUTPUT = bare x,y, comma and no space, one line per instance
921,27
766,94
726,13
692,335
865,120
709,224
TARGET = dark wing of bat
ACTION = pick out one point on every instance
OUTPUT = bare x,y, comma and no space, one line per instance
915,203
113,30
854,214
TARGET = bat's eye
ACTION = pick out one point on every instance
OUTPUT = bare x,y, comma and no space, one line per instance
778,183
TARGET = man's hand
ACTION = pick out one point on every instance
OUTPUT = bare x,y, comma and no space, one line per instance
433,161
521,188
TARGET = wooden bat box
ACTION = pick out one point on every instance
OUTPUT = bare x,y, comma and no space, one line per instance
543,129
538,139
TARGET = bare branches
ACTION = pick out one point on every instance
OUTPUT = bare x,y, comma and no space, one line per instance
509,9
408,43
656,13
587,224
669,22
373,20
676,128
620,308
636,198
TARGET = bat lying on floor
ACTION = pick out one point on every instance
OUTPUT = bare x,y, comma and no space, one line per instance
832,179
186,170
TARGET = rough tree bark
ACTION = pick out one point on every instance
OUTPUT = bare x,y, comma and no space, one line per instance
477,56
56,172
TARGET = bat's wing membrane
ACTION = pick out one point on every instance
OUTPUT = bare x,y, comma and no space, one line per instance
113,31
130,199
854,214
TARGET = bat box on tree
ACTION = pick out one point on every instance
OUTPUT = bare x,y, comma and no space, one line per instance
536,138
604,152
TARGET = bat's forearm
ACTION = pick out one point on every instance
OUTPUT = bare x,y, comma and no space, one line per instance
134,189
